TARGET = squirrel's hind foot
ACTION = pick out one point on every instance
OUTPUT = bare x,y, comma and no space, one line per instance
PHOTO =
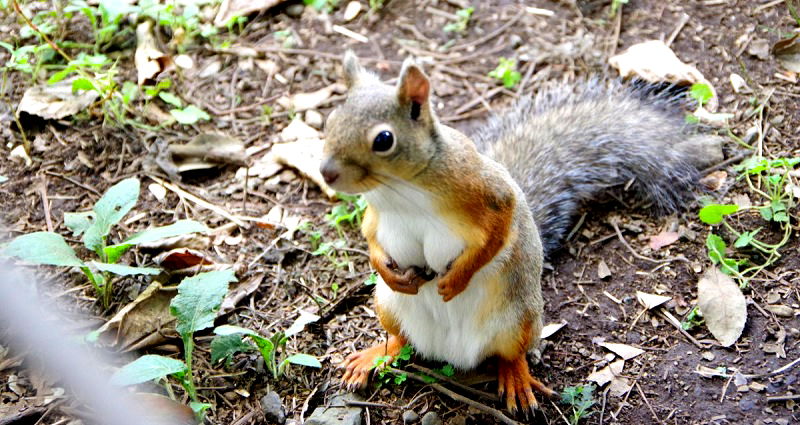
517,386
358,366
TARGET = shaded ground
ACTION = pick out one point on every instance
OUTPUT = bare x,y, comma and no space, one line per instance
84,158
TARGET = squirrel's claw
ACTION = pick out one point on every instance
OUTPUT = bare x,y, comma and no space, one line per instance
517,386
359,365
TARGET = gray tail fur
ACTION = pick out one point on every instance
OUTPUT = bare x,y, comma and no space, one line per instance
569,143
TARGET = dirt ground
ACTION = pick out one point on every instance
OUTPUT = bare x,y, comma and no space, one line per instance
81,158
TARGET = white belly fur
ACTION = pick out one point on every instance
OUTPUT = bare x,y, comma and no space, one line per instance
411,233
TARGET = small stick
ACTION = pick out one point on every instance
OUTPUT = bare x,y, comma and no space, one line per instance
560,412
201,202
458,397
453,382
45,203
640,256
491,35
783,397
684,19
371,404
76,183
671,319
647,402
349,33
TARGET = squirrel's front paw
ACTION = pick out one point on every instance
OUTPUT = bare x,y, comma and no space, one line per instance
406,281
449,288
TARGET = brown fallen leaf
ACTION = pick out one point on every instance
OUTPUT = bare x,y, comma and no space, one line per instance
551,328
208,150
610,373
181,258
299,130
305,101
715,180
787,52
663,239
141,318
241,290
651,301
655,62
305,156
603,270
55,101
723,306
625,351
149,60
160,409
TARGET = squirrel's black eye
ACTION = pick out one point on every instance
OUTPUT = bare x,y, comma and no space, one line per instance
383,142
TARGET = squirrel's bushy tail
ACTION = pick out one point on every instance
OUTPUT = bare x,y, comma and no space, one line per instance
570,142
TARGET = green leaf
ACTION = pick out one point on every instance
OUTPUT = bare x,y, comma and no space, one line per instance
304,360
43,248
129,92
225,330
400,378
701,93
447,370
60,75
123,270
199,408
82,84
109,210
745,238
147,368
371,279
189,115
714,213
716,248
180,227
78,222
171,99
766,213
298,325
114,252
224,347
198,300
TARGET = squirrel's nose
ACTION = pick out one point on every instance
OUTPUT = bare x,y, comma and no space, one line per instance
329,170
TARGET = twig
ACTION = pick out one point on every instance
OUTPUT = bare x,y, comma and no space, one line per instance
671,319
458,397
681,23
777,371
640,256
560,412
44,36
783,397
76,183
647,402
455,383
727,162
201,202
371,404
491,35
45,203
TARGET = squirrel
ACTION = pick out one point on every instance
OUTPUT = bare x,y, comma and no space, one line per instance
458,228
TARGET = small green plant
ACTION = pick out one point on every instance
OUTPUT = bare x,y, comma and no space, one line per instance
581,399
195,308
375,5
616,6
506,72
232,339
351,211
385,374
772,181
371,279
322,5
460,25
95,226
692,320
447,370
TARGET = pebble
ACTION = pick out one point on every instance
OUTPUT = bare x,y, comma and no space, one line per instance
314,119
410,416
707,355
273,408
337,413
352,10
431,418
295,10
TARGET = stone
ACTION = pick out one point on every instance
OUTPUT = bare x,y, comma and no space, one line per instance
337,412
295,10
314,119
273,408
410,416
431,418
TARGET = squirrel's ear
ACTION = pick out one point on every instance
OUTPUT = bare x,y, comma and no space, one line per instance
352,69
413,85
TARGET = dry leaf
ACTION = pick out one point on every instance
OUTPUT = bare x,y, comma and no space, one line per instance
715,180
607,374
207,150
141,318
232,8
55,101
306,157
158,191
625,351
787,52
352,10
305,101
602,270
551,328
239,292
723,306
298,130
148,59
759,48
651,301
655,62
18,154
663,239
181,258
780,310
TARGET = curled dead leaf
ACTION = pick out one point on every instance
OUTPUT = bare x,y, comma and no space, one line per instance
715,180
149,60
55,101
551,328
723,306
306,157
787,52
181,258
663,239
625,351
232,8
651,301
655,62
